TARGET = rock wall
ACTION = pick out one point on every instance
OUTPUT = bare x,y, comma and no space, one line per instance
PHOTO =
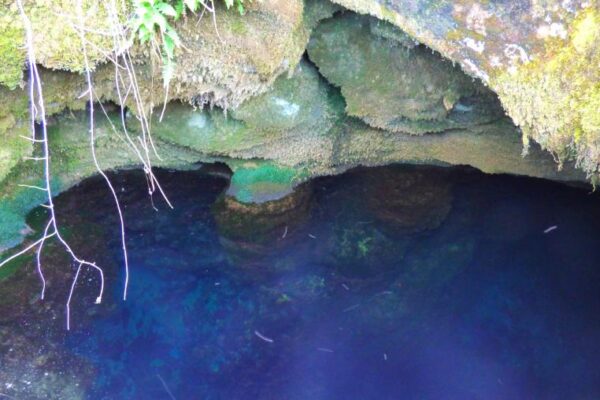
542,58
365,93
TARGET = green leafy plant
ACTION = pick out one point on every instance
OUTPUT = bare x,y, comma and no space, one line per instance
239,4
152,24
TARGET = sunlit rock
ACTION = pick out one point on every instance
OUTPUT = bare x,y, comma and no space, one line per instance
541,58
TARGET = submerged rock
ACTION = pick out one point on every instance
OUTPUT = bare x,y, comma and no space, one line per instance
39,371
393,86
250,232
409,201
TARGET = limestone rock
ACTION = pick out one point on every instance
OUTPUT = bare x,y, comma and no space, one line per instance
392,86
541,58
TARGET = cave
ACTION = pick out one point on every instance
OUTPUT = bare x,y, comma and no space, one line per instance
299,199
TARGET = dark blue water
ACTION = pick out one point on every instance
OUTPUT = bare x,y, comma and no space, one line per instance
389,283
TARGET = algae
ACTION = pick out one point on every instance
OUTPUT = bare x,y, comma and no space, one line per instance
555,98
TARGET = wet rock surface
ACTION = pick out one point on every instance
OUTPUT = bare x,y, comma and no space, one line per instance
409,202
250,232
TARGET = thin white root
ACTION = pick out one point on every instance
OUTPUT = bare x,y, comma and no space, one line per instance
90,91
38,112
123,64
26,249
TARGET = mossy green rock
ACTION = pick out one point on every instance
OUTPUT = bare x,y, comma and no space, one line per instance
289,131
72,162
56,26
299,105
223,61
541,58
392,86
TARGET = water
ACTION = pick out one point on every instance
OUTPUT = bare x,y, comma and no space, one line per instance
388,283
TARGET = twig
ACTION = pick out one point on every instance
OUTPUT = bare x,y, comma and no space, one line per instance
263,337
166,387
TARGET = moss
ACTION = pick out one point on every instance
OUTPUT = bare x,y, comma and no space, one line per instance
12,267
556,97
355,243
238,26
12,56
388,31
56,39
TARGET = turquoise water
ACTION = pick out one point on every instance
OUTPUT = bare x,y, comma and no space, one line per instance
386,283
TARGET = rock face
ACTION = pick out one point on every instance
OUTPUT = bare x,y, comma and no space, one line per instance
394,85
225,67
249,232
397,102
222,61
541,58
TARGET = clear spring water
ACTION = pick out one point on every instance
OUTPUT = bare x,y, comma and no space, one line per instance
389,283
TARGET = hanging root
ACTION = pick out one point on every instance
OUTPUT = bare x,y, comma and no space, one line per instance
90,92
38,113
126,88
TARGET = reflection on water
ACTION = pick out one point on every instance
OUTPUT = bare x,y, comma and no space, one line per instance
388,283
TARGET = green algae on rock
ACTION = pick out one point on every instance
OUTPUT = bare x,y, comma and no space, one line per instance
56,37
395,87
71,163
564,83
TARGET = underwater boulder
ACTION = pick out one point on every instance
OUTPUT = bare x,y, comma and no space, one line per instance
409,201
251,232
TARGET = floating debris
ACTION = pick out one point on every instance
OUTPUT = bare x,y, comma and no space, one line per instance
263,337
550,229
312,236
353,307
284,232
384,356
345,286
325,349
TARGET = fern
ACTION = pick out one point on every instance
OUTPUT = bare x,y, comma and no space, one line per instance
151,23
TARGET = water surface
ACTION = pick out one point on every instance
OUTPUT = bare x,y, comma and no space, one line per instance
387,283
